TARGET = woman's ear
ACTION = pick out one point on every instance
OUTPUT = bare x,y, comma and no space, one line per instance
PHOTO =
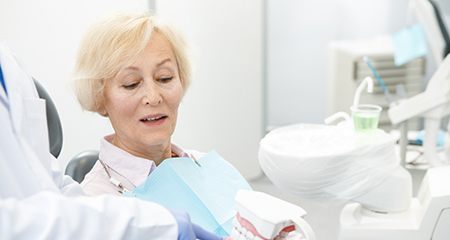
100,101
103,113
101,109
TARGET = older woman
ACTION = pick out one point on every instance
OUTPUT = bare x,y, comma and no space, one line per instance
135,71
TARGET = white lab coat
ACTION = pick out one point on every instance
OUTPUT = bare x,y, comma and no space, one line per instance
34,201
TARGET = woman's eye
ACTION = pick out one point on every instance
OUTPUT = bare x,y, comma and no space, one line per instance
130,86
165,79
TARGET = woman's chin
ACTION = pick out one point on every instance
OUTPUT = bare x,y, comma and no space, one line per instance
157,142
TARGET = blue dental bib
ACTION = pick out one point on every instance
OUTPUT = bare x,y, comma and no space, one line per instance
205,189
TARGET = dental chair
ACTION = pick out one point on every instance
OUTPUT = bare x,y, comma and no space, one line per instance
53,122
83,162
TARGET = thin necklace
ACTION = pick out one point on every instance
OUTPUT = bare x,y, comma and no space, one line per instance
114,181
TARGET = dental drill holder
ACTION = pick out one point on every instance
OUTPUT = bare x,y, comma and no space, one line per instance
433,104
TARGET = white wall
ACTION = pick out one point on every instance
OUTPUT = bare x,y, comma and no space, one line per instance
223,108
45,35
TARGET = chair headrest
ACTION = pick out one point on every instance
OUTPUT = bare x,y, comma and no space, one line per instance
53,122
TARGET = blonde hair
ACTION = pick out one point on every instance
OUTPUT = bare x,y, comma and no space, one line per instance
112,44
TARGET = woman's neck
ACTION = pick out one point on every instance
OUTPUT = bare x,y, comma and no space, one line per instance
156,153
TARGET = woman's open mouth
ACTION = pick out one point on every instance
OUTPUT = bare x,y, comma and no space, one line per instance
154,120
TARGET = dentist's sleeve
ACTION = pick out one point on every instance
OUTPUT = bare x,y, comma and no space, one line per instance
65,183
34,206
50,215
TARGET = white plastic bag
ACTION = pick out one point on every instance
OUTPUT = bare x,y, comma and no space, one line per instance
323,162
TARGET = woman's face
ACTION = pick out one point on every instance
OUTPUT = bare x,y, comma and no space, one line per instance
142,100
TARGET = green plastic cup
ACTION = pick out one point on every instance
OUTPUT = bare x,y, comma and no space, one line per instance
365,117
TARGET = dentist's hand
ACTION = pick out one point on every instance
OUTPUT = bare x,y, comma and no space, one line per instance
190,231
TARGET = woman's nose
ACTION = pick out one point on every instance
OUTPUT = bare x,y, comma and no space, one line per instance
152,95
